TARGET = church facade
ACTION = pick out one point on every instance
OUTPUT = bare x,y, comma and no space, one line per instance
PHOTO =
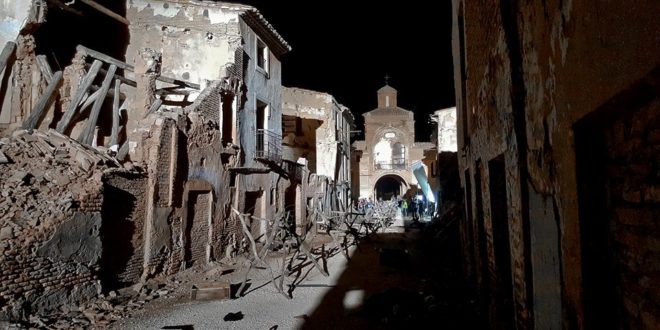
388,162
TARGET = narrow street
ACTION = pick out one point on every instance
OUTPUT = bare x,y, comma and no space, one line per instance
394,280
203,164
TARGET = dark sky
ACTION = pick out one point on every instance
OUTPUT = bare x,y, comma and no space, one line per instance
346,48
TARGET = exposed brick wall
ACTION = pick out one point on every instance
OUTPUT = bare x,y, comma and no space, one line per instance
208,102
50,222
633,169
123,227
197,228
164,166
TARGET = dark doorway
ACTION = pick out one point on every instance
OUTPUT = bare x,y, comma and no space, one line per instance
227,118
498,209
616,158
117,232
196,234
387,187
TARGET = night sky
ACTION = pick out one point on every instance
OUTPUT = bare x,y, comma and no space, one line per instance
346,48
342,47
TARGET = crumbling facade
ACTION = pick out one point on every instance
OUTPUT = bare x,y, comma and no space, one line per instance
316,132
177,141
558,155
387,157
445,178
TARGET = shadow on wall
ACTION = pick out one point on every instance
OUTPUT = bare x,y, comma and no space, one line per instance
117,231
406,280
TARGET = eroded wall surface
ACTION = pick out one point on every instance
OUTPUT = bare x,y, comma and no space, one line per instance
526,74
50,231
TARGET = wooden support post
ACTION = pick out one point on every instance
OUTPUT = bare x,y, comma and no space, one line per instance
7,53
114,136
111,92
154,107
45,101
89,100
87,135
126,66
106,11
122,152
123,79
80,93
42,62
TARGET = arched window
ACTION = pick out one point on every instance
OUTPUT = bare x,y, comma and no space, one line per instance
398,154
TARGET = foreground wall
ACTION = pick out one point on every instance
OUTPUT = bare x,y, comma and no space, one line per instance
536,82
51,225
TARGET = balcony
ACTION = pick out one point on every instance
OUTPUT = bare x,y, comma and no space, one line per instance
293,170
397,166
269,146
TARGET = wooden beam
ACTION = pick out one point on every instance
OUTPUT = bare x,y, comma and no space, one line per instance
129,67
114,136
123,79
80,93
111,92
122,152
7,53
89,101
42,62
154,107
106,11
45,101
87,135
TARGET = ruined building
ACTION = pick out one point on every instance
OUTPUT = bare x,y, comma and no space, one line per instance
444,175
316,132
559,157
116,168
386,159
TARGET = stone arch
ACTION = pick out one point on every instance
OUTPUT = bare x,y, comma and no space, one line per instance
389,184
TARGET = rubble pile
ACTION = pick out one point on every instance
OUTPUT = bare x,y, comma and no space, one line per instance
103,311
44,178
50,202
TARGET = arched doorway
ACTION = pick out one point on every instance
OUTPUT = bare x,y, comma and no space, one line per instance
388,186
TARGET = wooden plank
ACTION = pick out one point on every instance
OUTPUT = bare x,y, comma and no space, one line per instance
87,135
7,53
114,136
111,92
122,152
129,67
45,101
154,107
42,62
106,11
123,79
80,93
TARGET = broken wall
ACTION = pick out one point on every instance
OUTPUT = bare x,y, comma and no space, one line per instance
51,225
199,41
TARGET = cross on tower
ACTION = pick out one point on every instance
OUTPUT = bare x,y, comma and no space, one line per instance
387,79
